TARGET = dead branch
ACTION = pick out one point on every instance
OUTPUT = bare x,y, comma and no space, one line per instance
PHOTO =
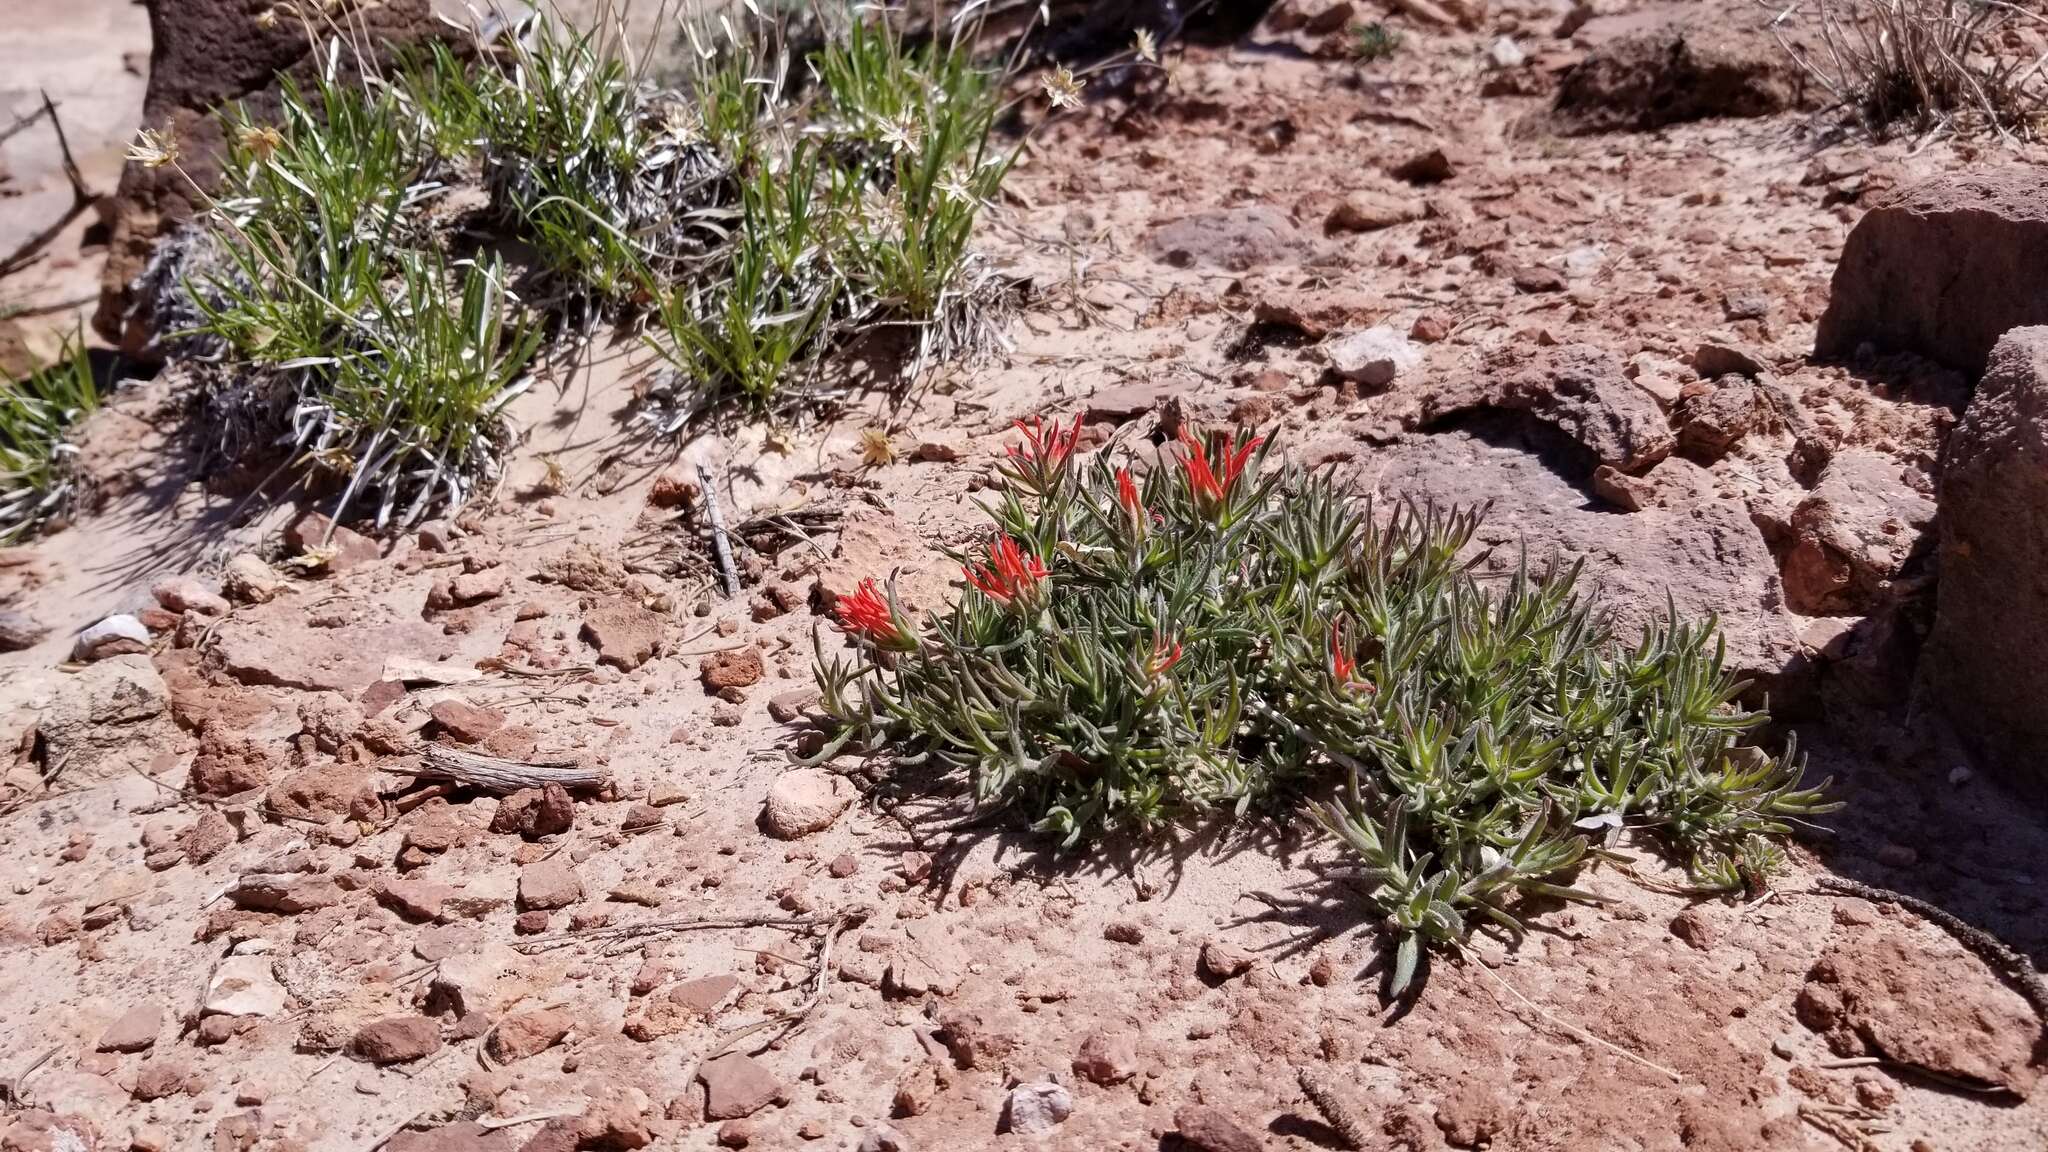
499,775
820,977
22,122
612,935
82,197
1571,1029
720,543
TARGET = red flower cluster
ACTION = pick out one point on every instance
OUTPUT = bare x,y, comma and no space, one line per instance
1211,490
1043,456
866,612
1009,576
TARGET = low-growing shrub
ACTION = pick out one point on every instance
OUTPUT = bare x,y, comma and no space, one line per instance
1138,647
378,366
1930,62
373,335
36,413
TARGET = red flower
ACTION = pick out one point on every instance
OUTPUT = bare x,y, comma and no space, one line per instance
1344,666
868,613
1127,495
1009,575
1165,654
1045,450
1210,490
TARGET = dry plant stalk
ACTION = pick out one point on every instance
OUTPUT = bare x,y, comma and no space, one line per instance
1935,62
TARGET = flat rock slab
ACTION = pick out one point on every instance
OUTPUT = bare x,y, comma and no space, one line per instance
1882,990
1234,239
276,645
736,1086
134,1031
626,634
1705,551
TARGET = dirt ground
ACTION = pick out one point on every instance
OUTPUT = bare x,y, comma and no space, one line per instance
667,970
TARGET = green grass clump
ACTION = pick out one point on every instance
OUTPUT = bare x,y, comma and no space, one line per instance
310,213
1143,647
759,233
603,176
754,331
415,413
1371,43
36,413
396,362
917,125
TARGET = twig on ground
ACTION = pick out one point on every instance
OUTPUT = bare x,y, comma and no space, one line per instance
614,934
1574,1030
496,774
391,1135
720,543
47,308
1837,1127
10,1089
820,977
82,198
21,122
493,1123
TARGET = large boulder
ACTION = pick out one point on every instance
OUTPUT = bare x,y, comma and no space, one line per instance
1943,268
1984,660
205,56
1665,66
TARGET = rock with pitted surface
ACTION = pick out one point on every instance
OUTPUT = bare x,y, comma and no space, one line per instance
1235,239
524,1034
1033,1109
803,801
109,716
1860,538
1659,66
1581,390
548,885
1983,662
1881,990
626,634
1943,268
1208,1129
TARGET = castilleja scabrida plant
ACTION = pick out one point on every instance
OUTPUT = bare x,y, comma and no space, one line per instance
1144,643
